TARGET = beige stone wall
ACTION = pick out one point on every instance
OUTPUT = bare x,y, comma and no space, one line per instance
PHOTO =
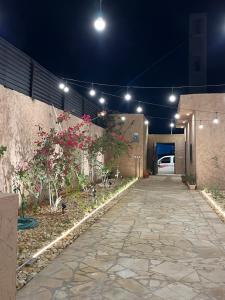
178,140
18,116
209,143
129,165
8,242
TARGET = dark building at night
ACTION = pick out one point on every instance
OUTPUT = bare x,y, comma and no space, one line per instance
198,50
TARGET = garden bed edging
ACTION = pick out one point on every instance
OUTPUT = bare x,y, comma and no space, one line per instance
214,205
39,260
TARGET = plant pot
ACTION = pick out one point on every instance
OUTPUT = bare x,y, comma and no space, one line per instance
191,186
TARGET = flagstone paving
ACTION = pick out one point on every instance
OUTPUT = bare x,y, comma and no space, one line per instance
160,241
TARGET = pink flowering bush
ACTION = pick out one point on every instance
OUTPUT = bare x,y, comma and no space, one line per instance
56,161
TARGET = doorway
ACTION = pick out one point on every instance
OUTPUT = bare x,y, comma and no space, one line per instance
165,156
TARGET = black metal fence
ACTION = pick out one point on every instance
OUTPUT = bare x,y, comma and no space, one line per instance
21,73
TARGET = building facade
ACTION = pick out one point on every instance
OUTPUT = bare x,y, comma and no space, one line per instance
203,116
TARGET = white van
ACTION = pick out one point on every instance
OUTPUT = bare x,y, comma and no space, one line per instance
166,164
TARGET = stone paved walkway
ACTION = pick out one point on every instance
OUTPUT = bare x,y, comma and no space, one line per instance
160,241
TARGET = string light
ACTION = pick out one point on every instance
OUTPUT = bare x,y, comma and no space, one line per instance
127,96
216,120
201,126
61,86
172,97
139,109
102,100
123,118
100,23
66,89
92,91
102,113
146,122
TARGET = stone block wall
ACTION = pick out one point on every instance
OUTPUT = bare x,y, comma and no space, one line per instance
8,241
18,116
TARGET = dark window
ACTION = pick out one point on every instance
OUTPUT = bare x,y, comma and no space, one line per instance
165,160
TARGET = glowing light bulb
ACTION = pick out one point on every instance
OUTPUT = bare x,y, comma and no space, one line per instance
102,113
216,121
100,24
139,109
123,118
66,89
92,92
146,122
177,116
61,86
172,125
102,100
127,97
172,98
200,125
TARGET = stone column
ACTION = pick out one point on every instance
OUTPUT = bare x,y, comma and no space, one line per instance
8,242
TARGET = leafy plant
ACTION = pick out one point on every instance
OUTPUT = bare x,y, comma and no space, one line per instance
56,162
83,182
2,150
191,179
112,143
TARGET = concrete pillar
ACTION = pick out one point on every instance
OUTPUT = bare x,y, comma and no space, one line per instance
8,242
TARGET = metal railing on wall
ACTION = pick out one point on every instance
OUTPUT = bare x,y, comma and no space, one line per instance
21,73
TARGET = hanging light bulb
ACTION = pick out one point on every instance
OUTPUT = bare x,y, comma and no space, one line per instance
61,86
66,89
216,120
146,122
172,97
201,126
103,113
177,116
92,91
139,109
127,96
172,125
101,100
123,118
100,23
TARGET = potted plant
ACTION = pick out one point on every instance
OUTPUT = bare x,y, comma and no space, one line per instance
191,181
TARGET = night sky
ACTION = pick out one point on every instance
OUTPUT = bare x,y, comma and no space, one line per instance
60,36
